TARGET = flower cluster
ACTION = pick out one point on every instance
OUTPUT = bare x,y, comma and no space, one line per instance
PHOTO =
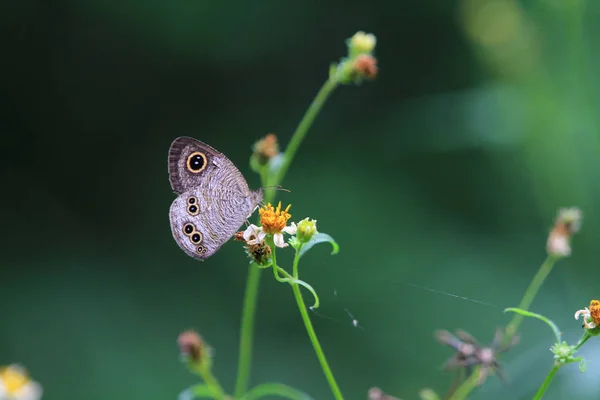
15,384
274,223
360,63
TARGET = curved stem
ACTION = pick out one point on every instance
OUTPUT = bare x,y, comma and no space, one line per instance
247,330
546,382
530,293
309,117
274,389
584,338
337,394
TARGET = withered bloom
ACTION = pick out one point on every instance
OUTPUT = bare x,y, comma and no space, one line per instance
568,222
469,353
266,148
191,345
365,66
377,394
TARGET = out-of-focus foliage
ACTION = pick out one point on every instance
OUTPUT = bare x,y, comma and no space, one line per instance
445,173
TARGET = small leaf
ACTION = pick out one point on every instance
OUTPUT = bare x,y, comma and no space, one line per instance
320,238
275,389
526,313
198,391
582,364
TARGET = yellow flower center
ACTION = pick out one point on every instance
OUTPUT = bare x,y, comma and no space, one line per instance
13,379
595,311
273,220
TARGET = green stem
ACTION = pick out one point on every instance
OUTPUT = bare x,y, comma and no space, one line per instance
584,338
547,381
337,394
532,290
247,330
253,280
206,374
467,387
309,117
512,327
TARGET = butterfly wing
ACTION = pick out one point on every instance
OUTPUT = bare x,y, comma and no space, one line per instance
203,220
193,163
214,198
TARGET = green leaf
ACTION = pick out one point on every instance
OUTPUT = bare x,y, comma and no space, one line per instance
582,364
275,389
320,238
198,391
526,313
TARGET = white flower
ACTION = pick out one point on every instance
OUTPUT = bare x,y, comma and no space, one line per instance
255,235
16,385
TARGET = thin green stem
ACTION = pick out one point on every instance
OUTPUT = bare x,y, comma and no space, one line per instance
247,330
546,383
253,280
467,387
206,374
309,117
584,338
296,262
337,394
512,327
530,293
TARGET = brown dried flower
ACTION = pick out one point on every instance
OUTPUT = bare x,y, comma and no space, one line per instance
365,65
191,345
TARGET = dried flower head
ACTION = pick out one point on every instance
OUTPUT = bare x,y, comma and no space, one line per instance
365,66
591,315
15,384
257,250
377,394
191,345
470,353
266,148
567,223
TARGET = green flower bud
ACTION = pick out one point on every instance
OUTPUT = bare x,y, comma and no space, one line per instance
306,229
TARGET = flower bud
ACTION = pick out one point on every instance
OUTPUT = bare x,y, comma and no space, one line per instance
361,43
306,229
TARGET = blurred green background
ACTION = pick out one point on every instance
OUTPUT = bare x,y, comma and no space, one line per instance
446,172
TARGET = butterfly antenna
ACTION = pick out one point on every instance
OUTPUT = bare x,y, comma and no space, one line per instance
277,187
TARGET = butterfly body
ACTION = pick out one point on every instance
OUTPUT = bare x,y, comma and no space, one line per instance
213,200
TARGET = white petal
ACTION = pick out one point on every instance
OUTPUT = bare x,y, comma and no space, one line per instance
585,312
31,391
2,390
591,324
278,239
250,231
261,236
290,229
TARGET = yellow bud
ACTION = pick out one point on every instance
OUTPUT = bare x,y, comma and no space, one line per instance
362,43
